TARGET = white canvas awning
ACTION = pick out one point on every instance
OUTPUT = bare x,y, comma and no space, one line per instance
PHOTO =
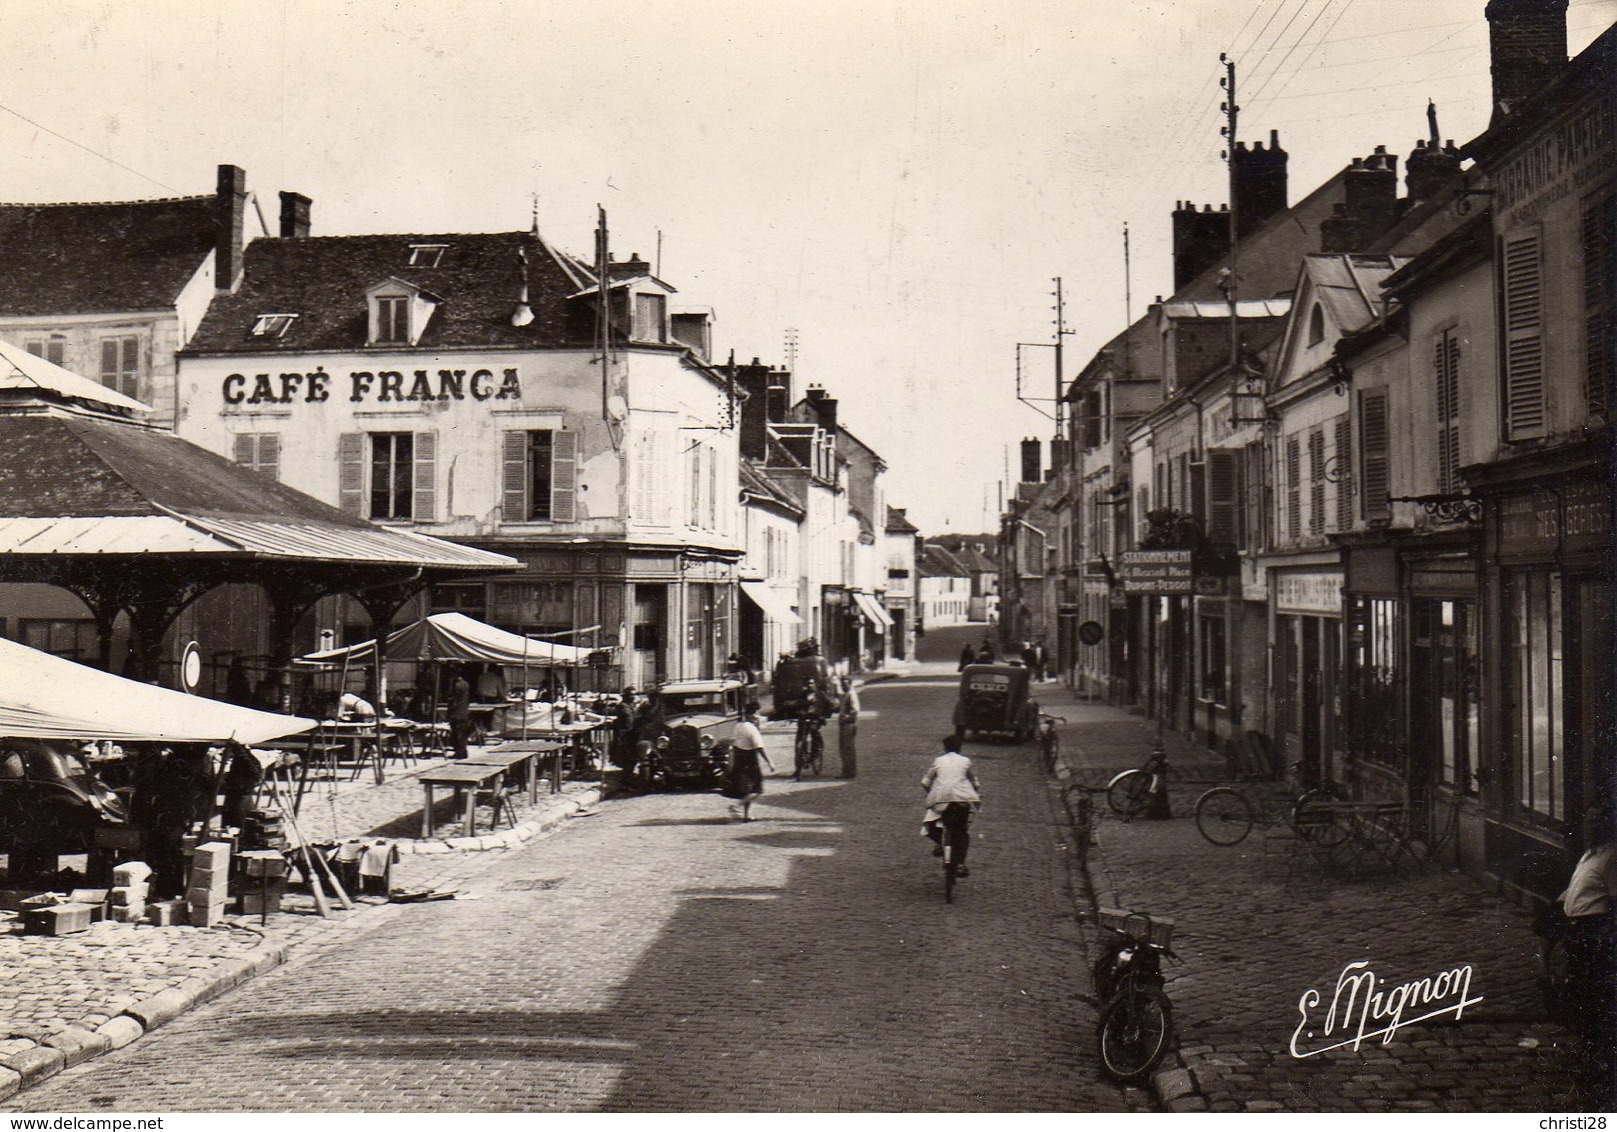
774,604
454,636
873,611
46,697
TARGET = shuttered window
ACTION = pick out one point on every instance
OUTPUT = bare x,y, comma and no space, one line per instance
1599,288
260,451
386,475
1524,335
392,475
1373,474
1294,497
1446,370
539,476
1342,471
1223,495
120,364
1316,482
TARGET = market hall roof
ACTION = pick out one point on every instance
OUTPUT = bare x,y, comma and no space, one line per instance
22,372
116,256
78,485
476,278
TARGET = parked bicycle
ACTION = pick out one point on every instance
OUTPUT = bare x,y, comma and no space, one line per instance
809,749
1225,815
1080,803
1050,740
1136,1020
1130,792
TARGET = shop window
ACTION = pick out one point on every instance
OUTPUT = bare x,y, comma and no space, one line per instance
1214,660
470,598
538,609
1533,650
1448,688
1371,721
540,471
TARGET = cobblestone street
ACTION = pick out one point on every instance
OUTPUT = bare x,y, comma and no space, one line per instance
661,956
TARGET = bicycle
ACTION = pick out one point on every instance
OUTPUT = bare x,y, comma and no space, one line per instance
1130,792
1080,805
1136,1022
948,823
809,750
1225,815
1050,740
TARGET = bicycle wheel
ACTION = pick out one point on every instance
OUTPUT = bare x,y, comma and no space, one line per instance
816,753
1052,750
1129,794
1321,832
1224,816
949,867
800,753
1134,1032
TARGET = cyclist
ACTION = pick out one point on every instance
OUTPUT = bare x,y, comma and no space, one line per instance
951,798
812,712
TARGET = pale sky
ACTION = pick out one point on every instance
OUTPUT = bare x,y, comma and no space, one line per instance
898,181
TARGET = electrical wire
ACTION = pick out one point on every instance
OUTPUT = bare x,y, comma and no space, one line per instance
87,149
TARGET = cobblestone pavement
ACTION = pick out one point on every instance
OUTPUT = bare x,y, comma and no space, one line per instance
1256,927
662,956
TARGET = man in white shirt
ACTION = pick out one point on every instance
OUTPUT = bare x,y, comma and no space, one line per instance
952,796
1590,905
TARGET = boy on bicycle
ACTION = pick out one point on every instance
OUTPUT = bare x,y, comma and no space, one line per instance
952,795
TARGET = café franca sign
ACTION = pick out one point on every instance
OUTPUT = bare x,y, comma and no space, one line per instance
360,386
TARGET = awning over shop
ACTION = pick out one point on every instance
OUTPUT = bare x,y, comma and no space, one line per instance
454,636
774,606
873,611
46,697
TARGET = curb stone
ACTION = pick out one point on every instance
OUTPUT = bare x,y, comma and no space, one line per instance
32,1062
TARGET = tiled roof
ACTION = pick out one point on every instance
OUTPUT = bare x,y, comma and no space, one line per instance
939,563
898,522
85,258
323,279
1349,286
757,481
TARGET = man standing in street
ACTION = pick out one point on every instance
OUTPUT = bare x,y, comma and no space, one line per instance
458,710
848,729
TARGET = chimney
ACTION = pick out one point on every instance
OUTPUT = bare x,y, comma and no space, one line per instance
1200,239
779,401
1030,460
230,215
294,214
1059,456
754,381
1369,204
1526,48
1260,183
630,268
824,407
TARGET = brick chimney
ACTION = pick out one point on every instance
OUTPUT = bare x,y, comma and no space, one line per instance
230,216
754,380
294,214
1200,239
1260,183
824,407
630,268
1369,206
1060,456
1433,165
779,401
1031,462
1526,48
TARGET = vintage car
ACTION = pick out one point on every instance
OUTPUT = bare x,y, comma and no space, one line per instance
698,725
50,799
994,701
803,685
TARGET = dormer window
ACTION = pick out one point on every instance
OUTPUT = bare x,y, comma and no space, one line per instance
650,318
392,318
272,325
427,255
1316,325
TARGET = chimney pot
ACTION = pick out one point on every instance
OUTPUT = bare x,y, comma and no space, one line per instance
230,216
294,214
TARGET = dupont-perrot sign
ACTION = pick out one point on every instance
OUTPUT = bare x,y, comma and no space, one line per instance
1157,572
1309,592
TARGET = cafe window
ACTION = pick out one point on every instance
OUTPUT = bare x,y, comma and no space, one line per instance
392,474
120,364
259,451
53,348
1533,671
539,477
388,475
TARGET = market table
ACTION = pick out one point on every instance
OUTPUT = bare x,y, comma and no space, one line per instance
521,757
467,779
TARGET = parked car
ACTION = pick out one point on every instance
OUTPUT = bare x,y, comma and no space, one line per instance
994,700
50,799
803,686
699,719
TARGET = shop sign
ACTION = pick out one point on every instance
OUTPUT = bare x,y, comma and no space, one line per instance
1254,584
1157,571
1577,517
1559,163
365,386
1309,592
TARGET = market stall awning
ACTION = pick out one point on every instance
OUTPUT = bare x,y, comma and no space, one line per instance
774,604
454,636
873,611
46,697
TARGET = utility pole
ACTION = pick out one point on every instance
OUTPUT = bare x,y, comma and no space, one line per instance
1061,332
1231,283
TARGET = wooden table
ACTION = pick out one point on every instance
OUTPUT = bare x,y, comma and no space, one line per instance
467,779
530,752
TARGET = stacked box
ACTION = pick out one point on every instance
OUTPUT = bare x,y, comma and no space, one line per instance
263,897
165,913
209,884
130,887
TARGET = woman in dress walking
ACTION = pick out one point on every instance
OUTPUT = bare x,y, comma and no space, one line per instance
746,777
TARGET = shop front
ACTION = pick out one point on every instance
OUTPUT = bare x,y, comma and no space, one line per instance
1306,652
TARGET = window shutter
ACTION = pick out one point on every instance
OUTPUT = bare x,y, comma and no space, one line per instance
1252,503
1344,472
351,472
712,489
1373,453
269,454
1222,489
563,476
245,448
514,476
1599,285
1446,366
1524,335
425,478
1316,482
1294,496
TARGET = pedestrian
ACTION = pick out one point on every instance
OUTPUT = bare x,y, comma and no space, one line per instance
746,777
1041,660
848,729
968,655
1590,907
458,711
624,754
1030,660
985,652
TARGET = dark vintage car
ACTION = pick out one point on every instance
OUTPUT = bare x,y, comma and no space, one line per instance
803,686
699,719
50,799
994,701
